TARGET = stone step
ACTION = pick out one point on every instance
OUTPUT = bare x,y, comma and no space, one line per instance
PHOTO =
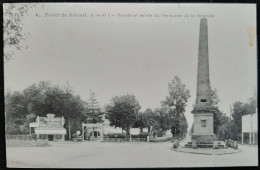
203,142
203,146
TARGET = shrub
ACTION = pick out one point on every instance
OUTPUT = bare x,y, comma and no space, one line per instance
232,144
161,140
176,143
74,135
194,145
143,135
34,136
215,145
134,136
235,145
116,135
226,143
161,133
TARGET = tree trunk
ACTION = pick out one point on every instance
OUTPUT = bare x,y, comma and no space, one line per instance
175,132
128,131
69,130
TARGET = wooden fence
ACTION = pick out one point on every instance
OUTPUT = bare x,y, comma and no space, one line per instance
18,137
106,139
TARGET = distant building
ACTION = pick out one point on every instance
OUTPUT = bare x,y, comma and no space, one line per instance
48,128
94,131
249,129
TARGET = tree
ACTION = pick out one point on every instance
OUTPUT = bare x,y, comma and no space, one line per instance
146,119
218,117
150,118
14,36
225,130
122,111
175,105
217,114
140,121
214,98
163,119
39,100
252,103
73,110
94,114
24,128
240,109
15,112
232,128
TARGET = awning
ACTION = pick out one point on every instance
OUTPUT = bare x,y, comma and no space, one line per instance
50,131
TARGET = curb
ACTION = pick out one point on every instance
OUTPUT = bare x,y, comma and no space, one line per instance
205,153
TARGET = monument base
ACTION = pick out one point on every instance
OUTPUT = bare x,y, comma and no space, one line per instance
204,138
204,141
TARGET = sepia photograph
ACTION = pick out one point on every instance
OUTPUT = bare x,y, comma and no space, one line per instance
130,85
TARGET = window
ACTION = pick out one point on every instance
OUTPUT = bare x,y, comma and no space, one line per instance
58,136
203,123
203,100
42,136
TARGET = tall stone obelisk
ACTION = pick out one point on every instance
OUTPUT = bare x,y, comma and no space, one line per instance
203,110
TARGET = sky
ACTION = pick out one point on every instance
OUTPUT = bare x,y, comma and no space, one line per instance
120,52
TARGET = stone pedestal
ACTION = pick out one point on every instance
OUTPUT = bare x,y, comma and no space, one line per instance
203,124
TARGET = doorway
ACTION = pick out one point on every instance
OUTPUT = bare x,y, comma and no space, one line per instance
50,137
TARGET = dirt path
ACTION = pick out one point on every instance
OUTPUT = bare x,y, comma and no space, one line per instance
117,155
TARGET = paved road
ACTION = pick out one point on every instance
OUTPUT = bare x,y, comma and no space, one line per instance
118,155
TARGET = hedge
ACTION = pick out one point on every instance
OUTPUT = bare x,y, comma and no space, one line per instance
115,135
141,135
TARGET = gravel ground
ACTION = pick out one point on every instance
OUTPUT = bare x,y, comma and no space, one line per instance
118,155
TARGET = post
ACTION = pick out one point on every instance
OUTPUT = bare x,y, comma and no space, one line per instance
253,142
250,136
251,129
83,132
242,138
101,132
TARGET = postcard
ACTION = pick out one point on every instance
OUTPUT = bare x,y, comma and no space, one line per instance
130,85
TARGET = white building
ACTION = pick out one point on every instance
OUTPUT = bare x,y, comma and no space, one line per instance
250,129
48,128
